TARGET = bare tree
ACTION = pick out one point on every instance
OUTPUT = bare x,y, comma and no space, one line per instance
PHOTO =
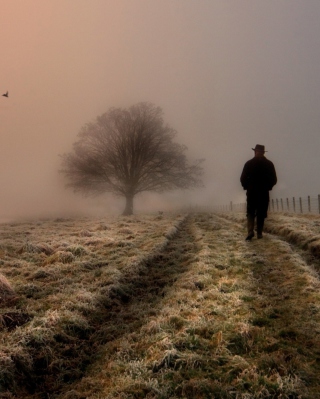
126,152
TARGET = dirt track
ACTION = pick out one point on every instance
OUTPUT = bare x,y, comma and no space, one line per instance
207,315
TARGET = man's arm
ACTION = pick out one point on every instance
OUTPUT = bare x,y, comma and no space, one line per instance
273,176
244,177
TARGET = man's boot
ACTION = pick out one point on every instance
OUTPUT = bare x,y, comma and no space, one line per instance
250,225
260,223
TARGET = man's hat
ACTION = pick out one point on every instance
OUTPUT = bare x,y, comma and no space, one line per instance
259,147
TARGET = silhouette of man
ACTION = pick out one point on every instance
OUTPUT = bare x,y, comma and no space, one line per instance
258,178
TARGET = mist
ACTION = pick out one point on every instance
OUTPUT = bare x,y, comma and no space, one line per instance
228,75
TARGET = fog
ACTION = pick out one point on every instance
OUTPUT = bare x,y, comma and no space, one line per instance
228,75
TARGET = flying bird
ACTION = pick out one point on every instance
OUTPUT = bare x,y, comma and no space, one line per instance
6,94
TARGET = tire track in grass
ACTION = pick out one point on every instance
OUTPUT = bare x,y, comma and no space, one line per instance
283,333
289,307
173,354
214,349
211,316
302,231
136,297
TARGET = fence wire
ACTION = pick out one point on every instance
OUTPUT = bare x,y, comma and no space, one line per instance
300,205
307,204
296,205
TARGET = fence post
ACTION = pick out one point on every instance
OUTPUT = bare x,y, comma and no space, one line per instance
275,205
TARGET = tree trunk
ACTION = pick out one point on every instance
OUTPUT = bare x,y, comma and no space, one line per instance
129,205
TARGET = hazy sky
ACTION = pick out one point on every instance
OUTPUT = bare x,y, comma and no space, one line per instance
228,74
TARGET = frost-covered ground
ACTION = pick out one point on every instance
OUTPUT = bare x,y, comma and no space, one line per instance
160,306
300,229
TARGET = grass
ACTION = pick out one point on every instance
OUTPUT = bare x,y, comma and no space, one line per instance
170,306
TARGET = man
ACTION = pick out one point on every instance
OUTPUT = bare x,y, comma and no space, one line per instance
258,177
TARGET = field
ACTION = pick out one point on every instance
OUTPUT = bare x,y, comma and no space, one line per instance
160,306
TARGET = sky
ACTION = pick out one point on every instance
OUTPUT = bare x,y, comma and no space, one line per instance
228,74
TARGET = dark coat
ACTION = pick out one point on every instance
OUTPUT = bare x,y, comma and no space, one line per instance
258,174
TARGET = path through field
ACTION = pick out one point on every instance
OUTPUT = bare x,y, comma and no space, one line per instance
204,315
225,318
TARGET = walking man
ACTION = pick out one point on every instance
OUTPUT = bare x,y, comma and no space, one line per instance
258,177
